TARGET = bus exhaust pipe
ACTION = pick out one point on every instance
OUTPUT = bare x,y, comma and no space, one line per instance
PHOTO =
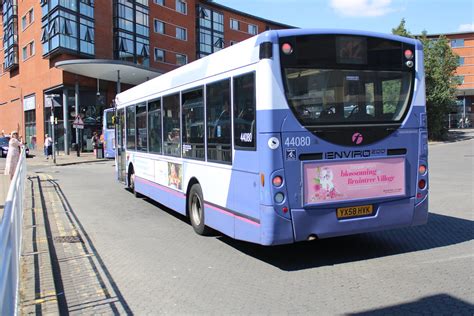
312,237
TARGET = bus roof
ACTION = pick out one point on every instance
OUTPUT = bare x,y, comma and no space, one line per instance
233,57
295,32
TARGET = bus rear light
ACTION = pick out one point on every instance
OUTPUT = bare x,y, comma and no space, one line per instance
408,54
422,169
419,195
422,184
279,197
286,49
285,209
277,181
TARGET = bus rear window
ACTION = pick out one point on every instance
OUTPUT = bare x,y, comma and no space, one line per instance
343,80
322,96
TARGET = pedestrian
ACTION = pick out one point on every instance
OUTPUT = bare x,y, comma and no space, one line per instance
14,147
95,142
48,146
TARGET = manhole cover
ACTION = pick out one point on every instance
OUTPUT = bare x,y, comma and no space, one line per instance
68,239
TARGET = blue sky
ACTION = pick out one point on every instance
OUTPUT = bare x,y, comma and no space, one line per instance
434,16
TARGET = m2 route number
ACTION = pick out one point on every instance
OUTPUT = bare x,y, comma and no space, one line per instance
298,141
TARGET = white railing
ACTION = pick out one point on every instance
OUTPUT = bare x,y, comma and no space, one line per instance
10,241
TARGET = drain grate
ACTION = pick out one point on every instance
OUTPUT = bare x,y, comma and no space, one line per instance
68,239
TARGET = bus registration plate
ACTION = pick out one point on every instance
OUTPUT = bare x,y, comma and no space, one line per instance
354,211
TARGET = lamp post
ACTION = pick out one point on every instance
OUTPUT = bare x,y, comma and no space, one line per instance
22,114
50,97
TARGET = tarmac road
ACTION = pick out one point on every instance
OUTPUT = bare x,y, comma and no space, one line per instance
154,262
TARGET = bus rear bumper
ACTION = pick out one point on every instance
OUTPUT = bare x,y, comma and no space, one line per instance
324,224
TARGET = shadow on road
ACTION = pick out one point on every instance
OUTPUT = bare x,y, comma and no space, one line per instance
440,231
457,135
441,304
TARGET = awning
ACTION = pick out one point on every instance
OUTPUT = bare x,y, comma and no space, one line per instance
109,69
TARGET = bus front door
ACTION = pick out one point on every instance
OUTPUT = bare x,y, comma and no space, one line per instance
120,145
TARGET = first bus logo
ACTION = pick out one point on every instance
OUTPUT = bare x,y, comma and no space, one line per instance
357,138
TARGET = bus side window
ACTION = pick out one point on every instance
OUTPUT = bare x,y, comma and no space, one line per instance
141,130
154,126
193,124
218,124
171,126
245,112
130,130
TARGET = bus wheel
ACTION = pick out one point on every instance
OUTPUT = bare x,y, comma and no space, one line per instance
131,185
196,210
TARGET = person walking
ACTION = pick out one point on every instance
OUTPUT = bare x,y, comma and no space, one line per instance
14,147
48,146
95,143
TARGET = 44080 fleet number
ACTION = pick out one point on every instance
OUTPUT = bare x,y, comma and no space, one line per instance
298,141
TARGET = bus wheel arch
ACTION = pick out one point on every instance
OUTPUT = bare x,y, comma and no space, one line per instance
195,207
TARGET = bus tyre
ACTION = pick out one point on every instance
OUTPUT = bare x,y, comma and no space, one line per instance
196,210
131,185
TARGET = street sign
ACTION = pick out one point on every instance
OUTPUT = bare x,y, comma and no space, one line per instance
78,123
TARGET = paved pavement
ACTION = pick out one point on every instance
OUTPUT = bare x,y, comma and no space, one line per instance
120,255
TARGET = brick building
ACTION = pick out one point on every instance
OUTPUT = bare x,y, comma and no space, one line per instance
463,45
70,57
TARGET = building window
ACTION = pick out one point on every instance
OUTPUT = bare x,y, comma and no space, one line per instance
131,26
69,25
181,6
234,24
158,26
210,32
27,19
159,55
457,43
23,23
252,29
10,34
461,61
160,2
181,33
181,59
28,50
31,16
459,79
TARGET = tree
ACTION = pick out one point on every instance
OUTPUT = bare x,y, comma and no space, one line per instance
401,29
440,68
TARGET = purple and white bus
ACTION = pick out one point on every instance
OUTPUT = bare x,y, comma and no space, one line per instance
108,132
288,136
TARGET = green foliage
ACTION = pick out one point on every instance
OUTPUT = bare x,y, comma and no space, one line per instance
440,67
401,30
441,84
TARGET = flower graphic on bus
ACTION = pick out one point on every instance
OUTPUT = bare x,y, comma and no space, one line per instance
324,188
